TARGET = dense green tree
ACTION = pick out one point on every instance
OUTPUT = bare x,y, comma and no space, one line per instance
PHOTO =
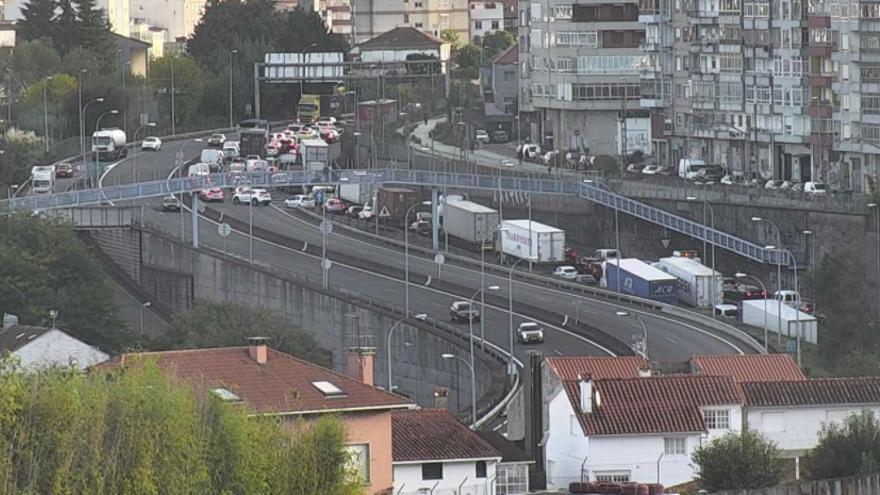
37,20
31,61
848,448
451,36
189,84
93,33
738,461
230,324
43,266
467,61
135,430
496,42
21,151
66,31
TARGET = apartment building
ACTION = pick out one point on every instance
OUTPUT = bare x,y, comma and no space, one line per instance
775,89
374,17
179,17
485,18
580,66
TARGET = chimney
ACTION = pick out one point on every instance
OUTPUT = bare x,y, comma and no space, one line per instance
586,391
258,349
359,364
441,397
644,372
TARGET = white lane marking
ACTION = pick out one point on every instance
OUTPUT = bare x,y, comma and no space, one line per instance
549,289
671,340
558,352
398,281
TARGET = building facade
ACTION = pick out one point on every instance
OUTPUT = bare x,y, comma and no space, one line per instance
155,36
580,66
498,80
179,17
775,89
485,18
375,17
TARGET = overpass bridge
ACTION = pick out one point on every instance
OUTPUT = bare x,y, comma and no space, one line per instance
590,191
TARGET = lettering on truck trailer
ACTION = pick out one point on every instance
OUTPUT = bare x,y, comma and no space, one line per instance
663,290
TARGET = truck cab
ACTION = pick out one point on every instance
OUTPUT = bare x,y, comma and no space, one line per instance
43,179
690,168
109,144
308,109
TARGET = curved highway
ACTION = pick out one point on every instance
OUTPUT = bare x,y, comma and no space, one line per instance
669,338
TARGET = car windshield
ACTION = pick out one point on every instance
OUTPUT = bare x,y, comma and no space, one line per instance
529,326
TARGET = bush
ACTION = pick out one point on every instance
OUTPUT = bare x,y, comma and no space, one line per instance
846,449
738,461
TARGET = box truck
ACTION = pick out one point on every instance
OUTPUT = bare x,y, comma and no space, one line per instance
394,202
470,221
640,279
358,193
252,141
315,155
109,144
698,285
43,179
780,313
525,238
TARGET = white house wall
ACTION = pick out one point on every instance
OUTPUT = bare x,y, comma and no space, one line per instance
797,428
408,479
56,348
566,445
378,56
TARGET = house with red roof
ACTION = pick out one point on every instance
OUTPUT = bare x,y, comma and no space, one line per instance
434,452
627,419
269,382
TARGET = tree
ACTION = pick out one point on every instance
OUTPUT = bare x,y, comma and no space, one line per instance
846,449
230,324
43,266
451,36
467,60
21,151
189,83
93,33
136,430
496,42
36,21
739,461
66,31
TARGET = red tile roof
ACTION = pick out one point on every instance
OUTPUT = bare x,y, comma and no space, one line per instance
435,435
507,57
597,368
652,405
749,367
821,391
283,385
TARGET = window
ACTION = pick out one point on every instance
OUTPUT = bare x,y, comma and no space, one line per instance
480,469
432,471
512,479
494,24
418,25
574,425
674,446
359,460
717,419
562,11
870,103
536,11
577,38
406,18
478,24
612,476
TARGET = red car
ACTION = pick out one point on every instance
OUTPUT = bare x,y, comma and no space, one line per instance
335,205
211,194
63,170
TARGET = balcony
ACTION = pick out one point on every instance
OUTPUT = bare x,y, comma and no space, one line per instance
821,139
704,16
819,80
816,50
818,21
821,110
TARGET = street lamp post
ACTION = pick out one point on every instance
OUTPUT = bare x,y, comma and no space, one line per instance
10,191
763,288
616,229
482,292
46,113
876,207
82,131
406,250
97,128
135,147
511,367
473,386
419,317
231,53
143,306
706,204
778,277
644,330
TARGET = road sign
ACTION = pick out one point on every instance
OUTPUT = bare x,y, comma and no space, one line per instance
223,230
326,264
439,258
665,242
326,227
383,213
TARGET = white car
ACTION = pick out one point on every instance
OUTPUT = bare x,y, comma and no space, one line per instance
815,188
366,213
530,331
726,310
567,272
327,120
151,143
231,149
651,170
481,136
300,201
254,196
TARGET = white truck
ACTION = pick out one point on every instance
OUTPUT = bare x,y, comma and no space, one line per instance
315,154
109,144
470,221
793,322
698,285
357,193
43,179
526,238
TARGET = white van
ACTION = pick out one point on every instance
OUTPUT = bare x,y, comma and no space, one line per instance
211,156
231,149
198,169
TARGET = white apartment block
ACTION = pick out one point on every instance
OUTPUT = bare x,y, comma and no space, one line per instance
485,18
179,17
374,17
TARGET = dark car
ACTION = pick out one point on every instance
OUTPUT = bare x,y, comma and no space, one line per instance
742,292
462,312
500,136
63,170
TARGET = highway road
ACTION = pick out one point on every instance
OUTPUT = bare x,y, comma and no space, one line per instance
669,338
